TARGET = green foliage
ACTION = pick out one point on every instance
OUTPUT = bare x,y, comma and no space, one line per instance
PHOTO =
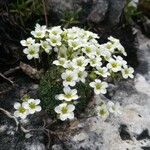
25,9
130,11
51,85
70,18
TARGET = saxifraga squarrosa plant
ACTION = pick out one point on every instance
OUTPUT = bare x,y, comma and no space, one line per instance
80,67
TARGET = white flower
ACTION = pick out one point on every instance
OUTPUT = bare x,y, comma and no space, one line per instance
56,30
38,33
69,94
89,50
114,108
81,75
61,62
80,63
65,111
106,54
27,42
121,49
62,51
102,111
32,51
113,40
46,46
39,27
32,105
109,47
114,65
20,110
99,86
91,35
102,71
69,78
95,62
75,44
122,61
127,72
55,40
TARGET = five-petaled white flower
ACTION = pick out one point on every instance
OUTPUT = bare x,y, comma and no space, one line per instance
95,62
46,46
102,111
102,71
69,78
61,62
54,40
80,63
29,41
32,105
69,94
109,47
39,32
114,65
32,51
20,110
55,31
89,50
114,108
99,86
81,75
127,72
65,111
75,43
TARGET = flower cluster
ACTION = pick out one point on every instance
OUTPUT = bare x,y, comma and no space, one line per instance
104,110
29,106
80,56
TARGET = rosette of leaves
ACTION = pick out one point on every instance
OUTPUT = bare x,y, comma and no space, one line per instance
51,85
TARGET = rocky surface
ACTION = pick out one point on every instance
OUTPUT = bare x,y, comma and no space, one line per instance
95,11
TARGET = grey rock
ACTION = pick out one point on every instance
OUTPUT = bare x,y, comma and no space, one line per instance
57,147
115,11
98,11
95,11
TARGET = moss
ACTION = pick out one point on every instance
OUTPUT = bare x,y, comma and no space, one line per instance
51,85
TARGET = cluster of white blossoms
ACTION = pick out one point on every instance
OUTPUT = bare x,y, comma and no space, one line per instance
29,106
80,55
105,109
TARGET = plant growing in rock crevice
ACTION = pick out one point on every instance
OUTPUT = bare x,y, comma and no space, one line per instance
79,65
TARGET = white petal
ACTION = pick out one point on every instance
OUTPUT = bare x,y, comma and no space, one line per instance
38,108
57,109
67,89
92,84
71,115
26,50
71,108
31,111
16,114
17,105
29,57
37,101
31,100
60,97
23,116
97,91
25,105
63,117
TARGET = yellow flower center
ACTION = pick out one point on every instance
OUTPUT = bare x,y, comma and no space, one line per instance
21,110
64,110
